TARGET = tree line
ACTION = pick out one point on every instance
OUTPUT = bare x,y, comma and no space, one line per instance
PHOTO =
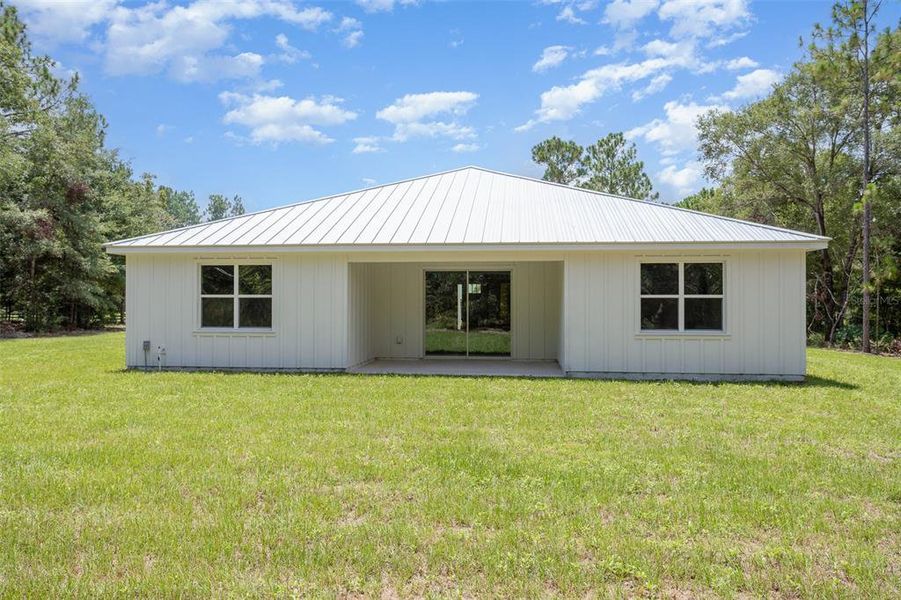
63,193
820,153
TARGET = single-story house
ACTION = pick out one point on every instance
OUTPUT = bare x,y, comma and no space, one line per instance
472,271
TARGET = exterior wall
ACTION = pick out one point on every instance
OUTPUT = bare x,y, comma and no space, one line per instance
309,315
387,313
580,308
764,318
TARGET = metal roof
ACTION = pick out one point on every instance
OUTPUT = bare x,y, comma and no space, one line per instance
467,207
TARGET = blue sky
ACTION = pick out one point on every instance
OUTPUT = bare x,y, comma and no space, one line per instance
281,101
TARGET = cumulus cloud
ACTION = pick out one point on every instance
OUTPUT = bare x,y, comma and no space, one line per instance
366,144
459,148
284,119
183,40
568,15
625,13
703,18
417,115
414,107
289,53
456,131
58,22
677,132
372,6
561,103
656,85
752,85
551,57
352,31
684,181
737,64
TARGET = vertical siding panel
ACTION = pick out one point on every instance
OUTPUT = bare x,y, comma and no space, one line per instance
307,314
653,356
576,330
552,311
630,318
537,323
520,305
692,356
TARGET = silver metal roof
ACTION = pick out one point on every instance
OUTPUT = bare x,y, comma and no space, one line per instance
468,207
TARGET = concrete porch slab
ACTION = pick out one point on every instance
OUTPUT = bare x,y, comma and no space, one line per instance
461,367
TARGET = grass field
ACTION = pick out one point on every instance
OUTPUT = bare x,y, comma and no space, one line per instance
198,484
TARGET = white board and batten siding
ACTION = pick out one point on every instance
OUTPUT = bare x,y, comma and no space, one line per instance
309,325
764,318
386,313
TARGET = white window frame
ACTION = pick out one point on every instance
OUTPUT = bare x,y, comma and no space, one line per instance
236,296
681,296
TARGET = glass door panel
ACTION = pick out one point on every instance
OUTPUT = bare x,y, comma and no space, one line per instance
445,313
489,313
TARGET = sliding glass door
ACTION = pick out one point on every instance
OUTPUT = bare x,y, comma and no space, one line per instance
467,313
445,313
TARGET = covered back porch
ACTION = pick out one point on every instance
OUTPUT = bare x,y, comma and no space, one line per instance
455,317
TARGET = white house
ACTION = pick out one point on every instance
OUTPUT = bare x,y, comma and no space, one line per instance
472,271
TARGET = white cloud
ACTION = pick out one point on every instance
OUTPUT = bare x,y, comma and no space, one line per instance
656,85
212,68
416,115
182,39
162,129
284,119
753,84
625,13
353,32
349,23
289,54
551,57
369,181
372,6
459,148
405,131
602,51
561,103
568,15
684,181
268,85
367,144
703,18
414,107
677,132
737,64
352,39
58,22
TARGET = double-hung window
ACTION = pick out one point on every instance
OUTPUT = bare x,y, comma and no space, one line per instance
236,296
682,296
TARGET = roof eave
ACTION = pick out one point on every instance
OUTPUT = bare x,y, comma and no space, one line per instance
807,245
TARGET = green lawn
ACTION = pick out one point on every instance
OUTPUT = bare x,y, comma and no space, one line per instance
198,484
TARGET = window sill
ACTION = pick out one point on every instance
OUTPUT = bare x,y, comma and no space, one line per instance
683,334
246,332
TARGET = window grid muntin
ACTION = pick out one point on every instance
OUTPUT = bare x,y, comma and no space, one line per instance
681,296
235,296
